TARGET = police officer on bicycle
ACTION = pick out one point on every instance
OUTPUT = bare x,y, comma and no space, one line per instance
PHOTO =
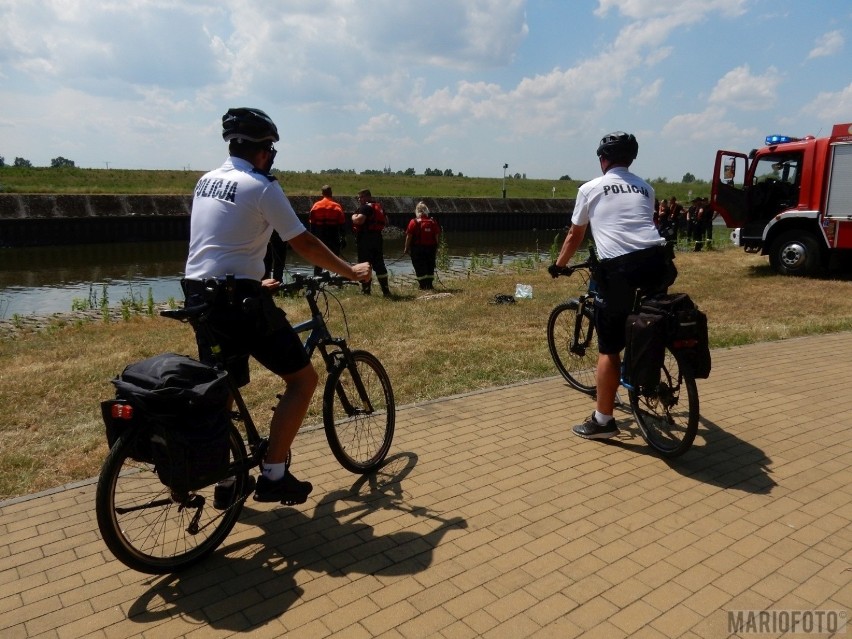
619,206
234,211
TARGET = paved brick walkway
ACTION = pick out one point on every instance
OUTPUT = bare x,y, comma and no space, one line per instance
492,520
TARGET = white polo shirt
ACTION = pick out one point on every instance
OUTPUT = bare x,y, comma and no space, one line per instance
234,210
620,208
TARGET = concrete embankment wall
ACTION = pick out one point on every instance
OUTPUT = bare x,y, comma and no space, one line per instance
45,220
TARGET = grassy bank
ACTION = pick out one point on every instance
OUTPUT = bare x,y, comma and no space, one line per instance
119,181
51,381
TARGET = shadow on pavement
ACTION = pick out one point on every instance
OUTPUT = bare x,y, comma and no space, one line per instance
260,574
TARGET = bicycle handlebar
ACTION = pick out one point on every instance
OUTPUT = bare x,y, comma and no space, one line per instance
589,263
556,271
314,282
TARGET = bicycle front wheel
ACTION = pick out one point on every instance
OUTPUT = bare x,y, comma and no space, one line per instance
572,344
668,414
359,413
153,529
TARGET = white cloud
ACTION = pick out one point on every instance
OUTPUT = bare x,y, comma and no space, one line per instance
831,107
143,83
561,98
643,9
707,125
829,44
648,93
378,125
740,88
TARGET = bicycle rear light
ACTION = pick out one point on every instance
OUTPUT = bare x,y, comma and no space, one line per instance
121,411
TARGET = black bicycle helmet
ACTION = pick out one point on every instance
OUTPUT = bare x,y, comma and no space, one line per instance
248,124
618,146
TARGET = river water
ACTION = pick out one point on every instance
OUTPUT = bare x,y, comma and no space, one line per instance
55,279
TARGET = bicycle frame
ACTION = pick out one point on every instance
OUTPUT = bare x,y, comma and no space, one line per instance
318,335
667,413
332,349
579,342
256,443
153,527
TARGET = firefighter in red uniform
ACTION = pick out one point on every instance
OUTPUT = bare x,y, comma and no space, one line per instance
421,242
328,222
368,222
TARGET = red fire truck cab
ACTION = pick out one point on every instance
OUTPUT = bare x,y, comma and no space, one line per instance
790,200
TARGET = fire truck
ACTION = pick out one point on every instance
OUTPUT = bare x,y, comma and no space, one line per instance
790,200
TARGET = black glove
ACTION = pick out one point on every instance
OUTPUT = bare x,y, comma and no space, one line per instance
554,271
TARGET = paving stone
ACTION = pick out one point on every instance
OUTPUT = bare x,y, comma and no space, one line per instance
492,520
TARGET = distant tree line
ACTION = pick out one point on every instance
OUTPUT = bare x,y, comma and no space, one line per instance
61,162
22,163
688,178
409,172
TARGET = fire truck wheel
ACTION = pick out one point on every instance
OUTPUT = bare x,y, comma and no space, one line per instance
795,253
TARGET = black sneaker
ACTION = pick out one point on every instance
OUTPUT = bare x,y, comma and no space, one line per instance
288,490
223,493
591,429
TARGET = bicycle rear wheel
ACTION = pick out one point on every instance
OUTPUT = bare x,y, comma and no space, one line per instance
359,428
668,415
572,344
152,529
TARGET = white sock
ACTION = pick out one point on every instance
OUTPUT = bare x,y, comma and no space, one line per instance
274,472
602,419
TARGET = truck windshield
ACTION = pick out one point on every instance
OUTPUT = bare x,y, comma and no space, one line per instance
775,184
773,168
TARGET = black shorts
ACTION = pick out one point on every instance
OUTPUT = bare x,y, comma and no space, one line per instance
618,280
258,329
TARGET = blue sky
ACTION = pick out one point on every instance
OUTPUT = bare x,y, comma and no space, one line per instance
466,85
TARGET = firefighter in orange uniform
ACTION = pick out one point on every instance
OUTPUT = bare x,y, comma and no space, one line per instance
328,222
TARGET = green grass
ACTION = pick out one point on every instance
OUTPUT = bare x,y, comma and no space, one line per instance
120,181
51,381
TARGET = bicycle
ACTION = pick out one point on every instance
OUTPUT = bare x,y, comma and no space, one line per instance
667,415
155,529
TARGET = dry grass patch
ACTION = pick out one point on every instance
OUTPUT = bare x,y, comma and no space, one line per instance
51,382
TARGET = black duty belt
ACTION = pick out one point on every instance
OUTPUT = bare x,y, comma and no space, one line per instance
227,291
635,256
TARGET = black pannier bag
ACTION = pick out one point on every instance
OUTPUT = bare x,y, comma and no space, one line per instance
645,350
687,330
184,404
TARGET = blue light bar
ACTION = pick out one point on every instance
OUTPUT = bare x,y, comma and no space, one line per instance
779,139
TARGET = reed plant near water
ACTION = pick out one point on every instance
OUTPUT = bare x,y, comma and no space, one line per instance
51,382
